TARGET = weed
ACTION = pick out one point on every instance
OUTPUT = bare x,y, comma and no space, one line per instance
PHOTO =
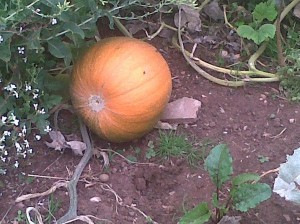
263,159
172,144
245,191
150,151
290,78
53,207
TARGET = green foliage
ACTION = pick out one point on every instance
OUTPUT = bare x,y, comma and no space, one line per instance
247,195
198,215
172,144
53,206
219,164
258,36
265,10
290,75
245,191
20,218
150,151
258,31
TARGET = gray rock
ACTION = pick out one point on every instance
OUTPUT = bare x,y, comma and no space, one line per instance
183,110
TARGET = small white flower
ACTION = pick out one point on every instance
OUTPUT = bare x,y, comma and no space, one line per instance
53,21
1,39
35,105
13,119
18,146
38,10
29,151
47,129
26,143
3,119
21,50
35,93
5,153
38,137
3,159
25,59
16,94
10,87
6,133
16,164
42,111
27,87
2,147
2,139
24,130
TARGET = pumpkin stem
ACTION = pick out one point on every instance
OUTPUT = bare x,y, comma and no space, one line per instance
96,103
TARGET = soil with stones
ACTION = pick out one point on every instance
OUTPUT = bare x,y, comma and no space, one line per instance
255,121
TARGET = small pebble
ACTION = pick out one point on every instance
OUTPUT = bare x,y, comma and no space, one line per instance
292,120
95,199
104,177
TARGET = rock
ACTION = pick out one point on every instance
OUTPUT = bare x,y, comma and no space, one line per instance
95,199
230,220
104,177
183,110
214,11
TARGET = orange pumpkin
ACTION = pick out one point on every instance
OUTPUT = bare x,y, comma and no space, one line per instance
120,87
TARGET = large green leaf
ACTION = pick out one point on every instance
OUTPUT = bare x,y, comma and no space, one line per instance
60,49
74,28
219,164
248,196
265,10
198,215
258,36
244,178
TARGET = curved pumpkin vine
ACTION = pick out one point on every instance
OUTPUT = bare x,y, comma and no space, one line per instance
239,78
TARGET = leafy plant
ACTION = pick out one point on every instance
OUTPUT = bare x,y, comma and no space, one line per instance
258,31
53,206
21,218
290,78
245,190
150,151
263,159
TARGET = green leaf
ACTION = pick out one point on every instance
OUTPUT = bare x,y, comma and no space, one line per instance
219,164
258,36
198,215
52,100
150,153
248,196
74,28
60,49
265,10
245,31
266,31
5,54
245,177
34,38
131,159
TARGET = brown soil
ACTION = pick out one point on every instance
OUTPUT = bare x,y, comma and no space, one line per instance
239,117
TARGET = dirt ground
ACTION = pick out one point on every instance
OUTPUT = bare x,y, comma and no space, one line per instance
254,121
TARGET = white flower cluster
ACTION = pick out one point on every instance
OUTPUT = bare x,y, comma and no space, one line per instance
14,130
